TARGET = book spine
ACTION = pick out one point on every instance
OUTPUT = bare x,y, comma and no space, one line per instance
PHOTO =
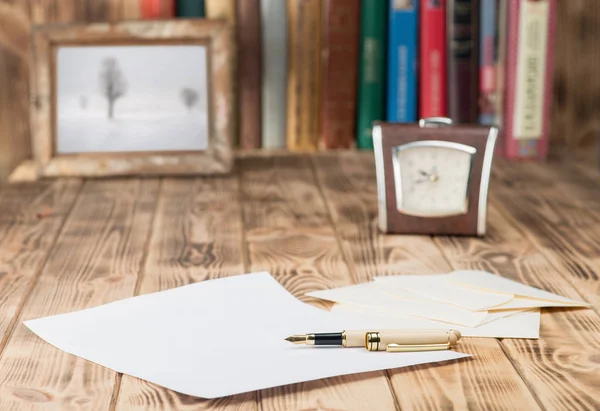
463,61
303,87
531,26
402,61
339,67
131,10
157,9
249,72
432,78
190,8
274,72
502,37
488,53
220,9
371,69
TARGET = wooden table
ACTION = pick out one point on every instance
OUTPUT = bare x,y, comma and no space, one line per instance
309,220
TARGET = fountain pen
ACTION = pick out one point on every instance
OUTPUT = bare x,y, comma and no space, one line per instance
383,340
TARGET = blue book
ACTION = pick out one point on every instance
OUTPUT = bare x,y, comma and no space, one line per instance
402,61
488,55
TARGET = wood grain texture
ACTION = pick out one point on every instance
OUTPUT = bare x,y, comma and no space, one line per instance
561,368
574,119
226,10
197,236
14,85
97,259
218,156
17,17
30,220
490,382
289,234
310,220
560,215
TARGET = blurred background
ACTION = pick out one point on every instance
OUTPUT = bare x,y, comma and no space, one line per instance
574,116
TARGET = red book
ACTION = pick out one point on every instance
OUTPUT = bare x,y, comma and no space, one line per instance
157,9
339,68
528,82
249,73
432,87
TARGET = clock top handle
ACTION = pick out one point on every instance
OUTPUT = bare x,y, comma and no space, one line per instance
435,122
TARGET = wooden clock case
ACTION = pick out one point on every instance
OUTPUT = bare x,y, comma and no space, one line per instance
388,136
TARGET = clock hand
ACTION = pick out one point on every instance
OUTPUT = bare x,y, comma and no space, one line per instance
423,173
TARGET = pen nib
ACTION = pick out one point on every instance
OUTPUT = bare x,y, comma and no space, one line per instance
297,339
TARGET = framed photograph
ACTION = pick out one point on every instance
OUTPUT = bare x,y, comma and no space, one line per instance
133,98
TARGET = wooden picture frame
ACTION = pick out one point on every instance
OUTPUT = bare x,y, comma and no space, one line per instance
217,158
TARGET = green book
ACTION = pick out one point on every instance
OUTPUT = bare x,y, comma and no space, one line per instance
371,70
190,8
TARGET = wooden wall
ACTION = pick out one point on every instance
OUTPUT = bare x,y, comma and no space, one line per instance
16,19
576,109
575,115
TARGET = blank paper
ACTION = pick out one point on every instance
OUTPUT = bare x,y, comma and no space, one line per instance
217,338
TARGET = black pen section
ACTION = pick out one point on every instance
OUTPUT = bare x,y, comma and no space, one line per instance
328,339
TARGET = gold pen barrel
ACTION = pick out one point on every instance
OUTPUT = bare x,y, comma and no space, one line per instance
413,340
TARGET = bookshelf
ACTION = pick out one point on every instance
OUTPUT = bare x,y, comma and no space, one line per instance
575,121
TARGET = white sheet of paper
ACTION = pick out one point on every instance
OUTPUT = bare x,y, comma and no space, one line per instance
496,315
522,325
524,295
370,294
439,288
217,338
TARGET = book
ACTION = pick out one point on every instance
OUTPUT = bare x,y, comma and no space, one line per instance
339,68
432,58
463,60
530,45
402,61
249,73
371,70
274,72
131,10
157,9
189,8
303,80
488,53
502,36
220,9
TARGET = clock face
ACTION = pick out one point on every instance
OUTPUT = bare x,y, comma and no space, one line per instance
432,178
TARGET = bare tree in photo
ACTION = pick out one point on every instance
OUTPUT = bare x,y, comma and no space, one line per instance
83,102
190,97
112,83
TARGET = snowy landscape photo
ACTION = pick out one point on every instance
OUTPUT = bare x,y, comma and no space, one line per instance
132,99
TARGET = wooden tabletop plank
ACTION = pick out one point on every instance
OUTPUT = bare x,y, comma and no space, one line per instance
313,228
489,380
197,236
97,259
563,221
294,240
560,367
31,216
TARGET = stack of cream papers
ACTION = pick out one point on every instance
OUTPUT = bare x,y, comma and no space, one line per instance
477,303
218,338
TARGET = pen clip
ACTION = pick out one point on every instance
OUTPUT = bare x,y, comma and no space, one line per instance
415,348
